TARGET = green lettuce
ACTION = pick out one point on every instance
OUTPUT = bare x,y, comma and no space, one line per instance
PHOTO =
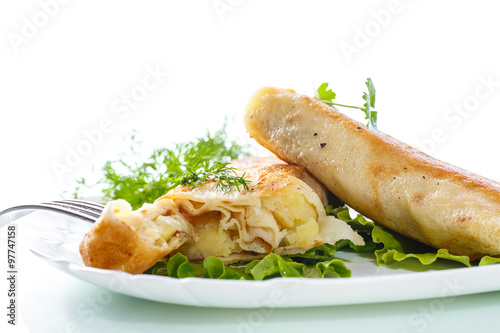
178,266
272,265
390,247
487,260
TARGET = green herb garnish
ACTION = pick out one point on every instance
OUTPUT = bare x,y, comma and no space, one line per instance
327,96
139,180
199,172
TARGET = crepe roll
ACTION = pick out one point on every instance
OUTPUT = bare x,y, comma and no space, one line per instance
282,211
386,180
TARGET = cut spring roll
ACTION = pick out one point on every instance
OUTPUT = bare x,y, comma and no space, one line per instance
282,211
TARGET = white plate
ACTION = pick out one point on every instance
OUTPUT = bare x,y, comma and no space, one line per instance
55,238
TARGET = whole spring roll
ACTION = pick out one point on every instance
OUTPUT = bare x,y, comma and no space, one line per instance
384,179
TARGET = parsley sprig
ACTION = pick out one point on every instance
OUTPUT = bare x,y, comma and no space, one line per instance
327,96
139,180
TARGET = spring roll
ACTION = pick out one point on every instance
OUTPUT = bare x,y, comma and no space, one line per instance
384,179
282,211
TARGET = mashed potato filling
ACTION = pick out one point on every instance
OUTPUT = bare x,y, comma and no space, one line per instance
297,216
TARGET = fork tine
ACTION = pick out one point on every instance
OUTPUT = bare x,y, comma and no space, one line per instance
27,209
81,209
90,207
73,211
84,203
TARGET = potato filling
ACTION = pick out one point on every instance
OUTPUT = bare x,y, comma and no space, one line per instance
282,221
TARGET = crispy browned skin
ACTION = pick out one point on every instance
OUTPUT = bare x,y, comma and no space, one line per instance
130,252
113,244
382,178
272,165
270,176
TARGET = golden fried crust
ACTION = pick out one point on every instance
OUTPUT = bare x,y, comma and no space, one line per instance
274,178
115,245
281,177
379,176
267,177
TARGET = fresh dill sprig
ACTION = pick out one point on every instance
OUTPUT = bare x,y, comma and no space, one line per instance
327,96
140,180
226,177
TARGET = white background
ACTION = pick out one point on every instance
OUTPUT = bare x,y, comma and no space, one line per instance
65,68
66,76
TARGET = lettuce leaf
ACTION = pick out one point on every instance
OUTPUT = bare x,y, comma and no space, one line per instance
390,247
399,248
178,266
487,260
271,266
275,265
333,268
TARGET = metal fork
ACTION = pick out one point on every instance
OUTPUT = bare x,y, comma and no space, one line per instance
85,210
